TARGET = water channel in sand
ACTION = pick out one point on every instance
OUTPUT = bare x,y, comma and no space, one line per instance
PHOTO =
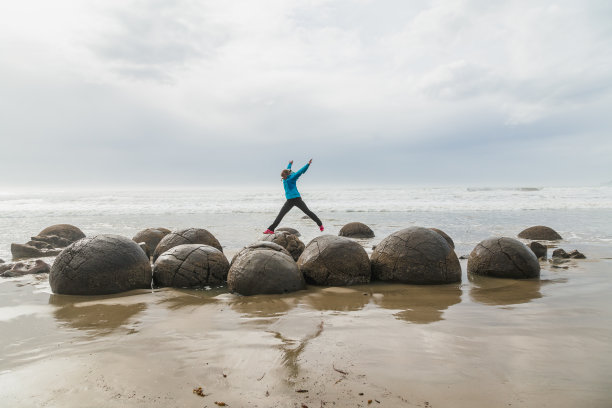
485,342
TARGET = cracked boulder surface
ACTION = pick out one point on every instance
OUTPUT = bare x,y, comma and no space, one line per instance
289,230
189,266
356,230
186,236
335,261
289,241
100,265
260,245
415,255
151,237
448,239
262,271
503,257
540,232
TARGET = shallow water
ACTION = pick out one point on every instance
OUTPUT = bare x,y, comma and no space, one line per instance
485,342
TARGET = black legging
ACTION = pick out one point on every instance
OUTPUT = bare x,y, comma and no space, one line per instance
289,204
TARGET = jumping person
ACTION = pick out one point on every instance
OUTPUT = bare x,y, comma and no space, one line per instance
293,197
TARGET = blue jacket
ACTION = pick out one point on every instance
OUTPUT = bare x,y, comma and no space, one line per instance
291,190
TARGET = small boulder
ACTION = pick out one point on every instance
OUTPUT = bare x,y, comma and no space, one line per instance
264,272
575,254
190,265
289,230
448,239
503,258
415,255
356,230
260,245
334,261
288,241
66,231
151,237
100,265
186,236
540,233
52,241
25,251
560,253
26,268
539,250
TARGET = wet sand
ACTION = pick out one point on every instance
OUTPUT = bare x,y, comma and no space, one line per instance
482,343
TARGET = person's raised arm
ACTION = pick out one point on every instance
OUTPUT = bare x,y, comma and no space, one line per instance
302,170
289,165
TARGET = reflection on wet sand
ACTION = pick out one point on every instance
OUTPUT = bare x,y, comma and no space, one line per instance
343,299
421,304
501,292
100,316
175,299
263,305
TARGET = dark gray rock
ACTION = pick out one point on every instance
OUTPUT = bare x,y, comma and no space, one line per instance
26,268
334,261
53,241
575,254
263,245
415,255
100,265
503,257
560,253
289,230
539,250
288,241
448,239
264,272
190,265
151,238
540,233
186,236
24,251
356,230
66,231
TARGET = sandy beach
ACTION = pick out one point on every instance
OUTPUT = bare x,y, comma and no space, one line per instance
482,343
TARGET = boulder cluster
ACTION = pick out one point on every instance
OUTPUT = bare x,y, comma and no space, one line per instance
48,242
277,263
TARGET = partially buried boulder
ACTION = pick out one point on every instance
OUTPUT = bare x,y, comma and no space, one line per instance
260,245
48,242
539,250
100,265
444,235
25,251
334,261
288,241
415,255
503,257
289,230
356,230
264,272
66,231
186,236
151,237
25,268
190,265
540,232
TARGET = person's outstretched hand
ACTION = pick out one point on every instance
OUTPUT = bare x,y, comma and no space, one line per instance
309,161
291,162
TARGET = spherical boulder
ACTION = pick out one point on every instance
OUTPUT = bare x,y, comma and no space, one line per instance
415,255
100,265
356,230
66,231
503,257
186,236
288,241
264,272
540,232
190,265
448,239
151,237
289,230
334,261
260,245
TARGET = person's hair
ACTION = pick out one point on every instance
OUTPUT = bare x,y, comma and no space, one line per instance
285,173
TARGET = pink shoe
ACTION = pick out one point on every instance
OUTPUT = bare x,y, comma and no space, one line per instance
268,231
321,228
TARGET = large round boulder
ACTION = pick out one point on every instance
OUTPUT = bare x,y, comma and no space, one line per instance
540,232
151,238
100,265
190,265
503,257
288,241
66,231
264,272
260,245
289,230
444,235
415,255
186,236
356,230
334,261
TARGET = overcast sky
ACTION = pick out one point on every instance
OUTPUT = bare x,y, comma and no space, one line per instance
172,93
